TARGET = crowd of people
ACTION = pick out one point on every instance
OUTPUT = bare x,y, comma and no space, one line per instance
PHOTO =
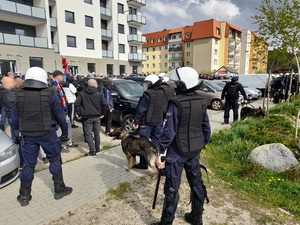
40,110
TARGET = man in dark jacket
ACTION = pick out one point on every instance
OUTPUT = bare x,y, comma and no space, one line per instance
185,133
91,105
231,94
34,119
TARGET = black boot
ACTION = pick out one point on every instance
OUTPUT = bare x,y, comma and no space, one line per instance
162,223
60,188
193,219
143,165
24,197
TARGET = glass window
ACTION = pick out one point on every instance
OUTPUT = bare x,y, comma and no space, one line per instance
91,67
188,35
21,32
188,44
218,31
120,8
133,49
166,47
216,51
121,48
71,41
153,65
153,49
122,69
153,57
90,44
121,28
36,61
70,18
89,21
88,1
188,54
152,40
132,30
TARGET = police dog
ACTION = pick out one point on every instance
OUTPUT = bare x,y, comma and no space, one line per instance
252,112
133,146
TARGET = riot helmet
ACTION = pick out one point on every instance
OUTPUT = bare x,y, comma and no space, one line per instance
36,78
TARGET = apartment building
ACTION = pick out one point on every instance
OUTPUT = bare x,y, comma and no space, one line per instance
206,46
256,52
101,36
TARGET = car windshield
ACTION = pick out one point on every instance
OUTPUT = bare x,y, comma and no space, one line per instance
215,86
130,89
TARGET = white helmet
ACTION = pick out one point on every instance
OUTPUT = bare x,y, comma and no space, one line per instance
151,81
186,79
36,77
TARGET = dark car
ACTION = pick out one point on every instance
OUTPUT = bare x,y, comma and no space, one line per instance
126,95
138,79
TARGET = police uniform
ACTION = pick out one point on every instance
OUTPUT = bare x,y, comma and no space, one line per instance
34,118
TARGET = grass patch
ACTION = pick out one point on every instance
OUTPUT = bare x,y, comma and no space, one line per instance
107,147
118,193
228,151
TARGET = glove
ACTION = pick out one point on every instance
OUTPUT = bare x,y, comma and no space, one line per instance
64,138
17,141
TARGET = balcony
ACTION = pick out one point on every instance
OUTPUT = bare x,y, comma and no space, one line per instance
137,3
20,13
137,57
12,39
175,58
107,54
55,47
174,49
136,19
106,34
53,22
105,13
136,39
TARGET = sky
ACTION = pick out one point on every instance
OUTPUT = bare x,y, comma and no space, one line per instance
170,14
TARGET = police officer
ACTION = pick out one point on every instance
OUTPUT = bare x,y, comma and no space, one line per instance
231,94
149,115
185,133
34,117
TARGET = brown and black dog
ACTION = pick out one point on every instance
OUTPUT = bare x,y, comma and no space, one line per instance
133,146
252,112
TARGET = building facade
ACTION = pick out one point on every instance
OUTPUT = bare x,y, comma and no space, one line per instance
206,46
101,36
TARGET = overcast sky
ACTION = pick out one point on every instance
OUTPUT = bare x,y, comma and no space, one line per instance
169,14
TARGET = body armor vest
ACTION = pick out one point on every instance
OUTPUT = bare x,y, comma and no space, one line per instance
168,92
189,137
35,116
154,116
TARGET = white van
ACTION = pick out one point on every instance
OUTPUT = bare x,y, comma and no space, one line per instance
258,81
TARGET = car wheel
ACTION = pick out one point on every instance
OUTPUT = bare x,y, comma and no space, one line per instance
128,123
216,104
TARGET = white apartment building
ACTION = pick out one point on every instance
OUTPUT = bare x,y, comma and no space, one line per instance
246,49
101,36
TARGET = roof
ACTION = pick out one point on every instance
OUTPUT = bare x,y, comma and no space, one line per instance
227,68
234,27
206,29
156,35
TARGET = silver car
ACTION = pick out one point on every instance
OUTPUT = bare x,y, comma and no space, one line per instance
9,160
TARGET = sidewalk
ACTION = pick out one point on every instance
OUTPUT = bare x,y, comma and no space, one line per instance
90,178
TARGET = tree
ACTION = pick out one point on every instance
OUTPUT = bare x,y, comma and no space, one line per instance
279,23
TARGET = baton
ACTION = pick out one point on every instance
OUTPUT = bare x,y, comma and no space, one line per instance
160,173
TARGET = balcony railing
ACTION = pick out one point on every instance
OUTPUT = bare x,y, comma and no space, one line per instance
137,3
174,49
137,57
22,9
107,53
136,38
106,33
136,19
13,39
105,11
55,47
175,58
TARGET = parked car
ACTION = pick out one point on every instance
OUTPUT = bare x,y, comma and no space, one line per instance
126,95
211,91
9,160
249,92
138,79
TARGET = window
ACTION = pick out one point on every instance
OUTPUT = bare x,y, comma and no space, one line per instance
159,65
153,49
69,17
147,66
215,62
159,48
132,30
188,54
89,21
166,64
132,11
122,69
159,39
188,44
216,41
218,31
188,35
71,41
152,40
90,44
166,56
166,47
147,49
103,3
91,67
187,63
153,57
121,48
153,65
133,49
120,8
216,51
88,1
21,32
36,61
121,28
165,38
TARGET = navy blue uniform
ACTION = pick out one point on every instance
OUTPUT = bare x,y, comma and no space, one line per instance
49,142
175,163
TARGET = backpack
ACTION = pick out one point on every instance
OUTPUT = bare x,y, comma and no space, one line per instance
232,90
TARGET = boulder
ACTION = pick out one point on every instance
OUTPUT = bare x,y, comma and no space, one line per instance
274,157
